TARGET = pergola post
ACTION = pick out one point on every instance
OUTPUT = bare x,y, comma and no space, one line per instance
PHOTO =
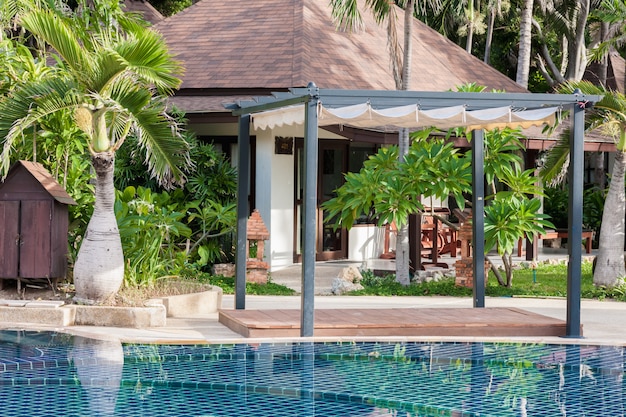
243,180
575,221
478,219
307,317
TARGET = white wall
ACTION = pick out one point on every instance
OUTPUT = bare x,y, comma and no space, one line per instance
274,185
274,199
282,211
264,154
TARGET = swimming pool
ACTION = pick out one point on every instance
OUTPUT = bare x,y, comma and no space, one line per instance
54,374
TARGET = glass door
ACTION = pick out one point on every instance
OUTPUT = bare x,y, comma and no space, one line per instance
333,163
331,244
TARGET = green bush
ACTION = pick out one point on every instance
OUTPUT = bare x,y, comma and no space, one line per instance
227,284
556,206
545,281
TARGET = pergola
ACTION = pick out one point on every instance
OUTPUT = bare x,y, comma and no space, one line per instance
313,107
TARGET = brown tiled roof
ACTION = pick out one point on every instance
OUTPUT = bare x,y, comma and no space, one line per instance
204,104
144,8
275,44
48,182
616,74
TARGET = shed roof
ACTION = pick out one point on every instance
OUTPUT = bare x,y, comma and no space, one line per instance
277,44
44,178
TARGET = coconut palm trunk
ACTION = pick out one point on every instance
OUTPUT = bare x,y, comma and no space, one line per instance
402,242
99,267
523,57
610,259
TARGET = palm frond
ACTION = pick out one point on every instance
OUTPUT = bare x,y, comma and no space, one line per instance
556,163
107,67
55,31
346,15
29,103
381,9
167,153
148,56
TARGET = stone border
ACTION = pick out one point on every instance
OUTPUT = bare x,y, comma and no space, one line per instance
56,313
187,305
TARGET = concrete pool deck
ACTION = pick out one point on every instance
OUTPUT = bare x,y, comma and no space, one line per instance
603,321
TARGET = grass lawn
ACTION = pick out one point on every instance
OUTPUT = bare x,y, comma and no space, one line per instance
546,281
227,284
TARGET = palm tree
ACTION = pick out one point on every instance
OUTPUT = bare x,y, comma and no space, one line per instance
114,74
495,8
525,31
347,15
612,31
607,116
568,20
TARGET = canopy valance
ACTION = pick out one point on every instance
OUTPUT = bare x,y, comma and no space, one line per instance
410,116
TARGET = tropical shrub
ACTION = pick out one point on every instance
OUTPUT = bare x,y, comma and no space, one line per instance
151,229
163,236
556,206
207,199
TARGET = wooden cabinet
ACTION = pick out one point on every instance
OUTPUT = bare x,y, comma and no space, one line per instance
34,224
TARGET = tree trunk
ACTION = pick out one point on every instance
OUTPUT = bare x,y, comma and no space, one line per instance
402,243
507,260
523,56
599,175
99,268
577,51
402,256
489,39
470,38
610,259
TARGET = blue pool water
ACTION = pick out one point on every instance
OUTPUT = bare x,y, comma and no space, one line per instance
53,374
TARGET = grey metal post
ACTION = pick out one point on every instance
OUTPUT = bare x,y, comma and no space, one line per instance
243,181
575,221
307,316
478,220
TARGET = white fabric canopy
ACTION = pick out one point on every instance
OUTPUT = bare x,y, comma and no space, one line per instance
410,116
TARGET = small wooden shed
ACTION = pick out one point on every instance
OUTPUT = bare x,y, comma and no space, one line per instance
34,218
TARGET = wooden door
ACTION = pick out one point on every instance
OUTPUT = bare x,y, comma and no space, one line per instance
9,238
35,237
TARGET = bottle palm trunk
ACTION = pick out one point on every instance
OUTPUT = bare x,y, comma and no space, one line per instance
99,268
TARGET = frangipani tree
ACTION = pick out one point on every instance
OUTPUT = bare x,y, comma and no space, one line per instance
114,74
510,216
391,188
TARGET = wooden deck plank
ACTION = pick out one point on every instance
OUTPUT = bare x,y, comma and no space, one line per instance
395,322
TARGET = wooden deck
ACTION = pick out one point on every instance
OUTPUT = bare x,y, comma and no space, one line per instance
480,322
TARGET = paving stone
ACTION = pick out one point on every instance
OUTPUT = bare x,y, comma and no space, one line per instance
13,303
44,304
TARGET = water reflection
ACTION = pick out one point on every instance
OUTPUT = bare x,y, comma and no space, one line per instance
74,376
47,373
99,365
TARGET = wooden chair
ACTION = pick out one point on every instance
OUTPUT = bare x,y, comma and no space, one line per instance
435,232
